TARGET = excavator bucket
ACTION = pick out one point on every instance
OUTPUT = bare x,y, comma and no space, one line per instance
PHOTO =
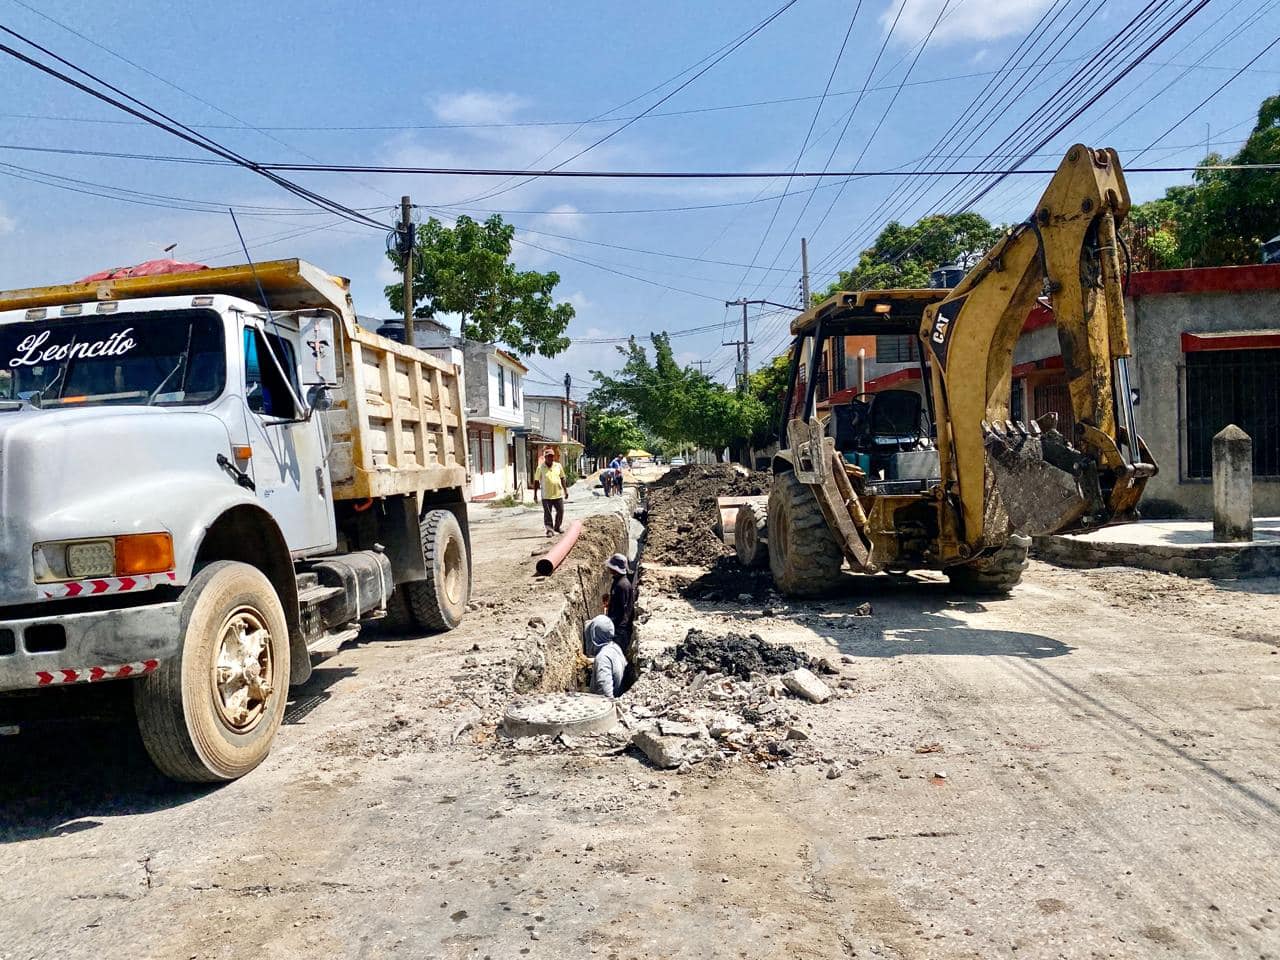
1065,259
1037,482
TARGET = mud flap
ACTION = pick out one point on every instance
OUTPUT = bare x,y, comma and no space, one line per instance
1037,480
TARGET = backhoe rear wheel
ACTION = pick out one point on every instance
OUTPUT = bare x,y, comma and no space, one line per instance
996,574
803,554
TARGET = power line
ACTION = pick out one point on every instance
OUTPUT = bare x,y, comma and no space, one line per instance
1222,87
1071,92
174,127
183,90
813,121
257,166
612,133
502,124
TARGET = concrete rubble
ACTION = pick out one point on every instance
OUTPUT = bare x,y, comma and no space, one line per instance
682,715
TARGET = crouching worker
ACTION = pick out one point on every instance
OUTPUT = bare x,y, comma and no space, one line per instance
608,662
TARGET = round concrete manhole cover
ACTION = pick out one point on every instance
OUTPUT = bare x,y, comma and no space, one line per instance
548,714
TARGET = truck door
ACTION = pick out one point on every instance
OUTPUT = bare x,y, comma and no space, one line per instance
288,462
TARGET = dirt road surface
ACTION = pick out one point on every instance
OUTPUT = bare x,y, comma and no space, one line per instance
1090,768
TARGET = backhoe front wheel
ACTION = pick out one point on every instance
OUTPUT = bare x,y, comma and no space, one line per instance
439,602
996,574
210,713
803,554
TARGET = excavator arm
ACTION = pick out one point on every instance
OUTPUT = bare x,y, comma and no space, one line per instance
1001,477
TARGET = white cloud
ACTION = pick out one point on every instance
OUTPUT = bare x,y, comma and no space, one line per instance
477,106
972,20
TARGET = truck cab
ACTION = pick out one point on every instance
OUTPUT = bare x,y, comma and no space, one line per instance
201,493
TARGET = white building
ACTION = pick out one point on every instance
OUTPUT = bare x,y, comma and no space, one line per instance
494,391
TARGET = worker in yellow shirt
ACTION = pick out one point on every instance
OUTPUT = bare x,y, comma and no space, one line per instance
548,480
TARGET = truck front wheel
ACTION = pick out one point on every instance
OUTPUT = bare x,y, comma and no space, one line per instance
211,713
440,601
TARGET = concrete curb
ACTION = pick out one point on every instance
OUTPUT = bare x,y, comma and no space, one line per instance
1223,561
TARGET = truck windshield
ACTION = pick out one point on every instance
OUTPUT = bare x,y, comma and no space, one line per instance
159,358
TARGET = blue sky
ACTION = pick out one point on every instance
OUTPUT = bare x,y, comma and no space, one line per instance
459,85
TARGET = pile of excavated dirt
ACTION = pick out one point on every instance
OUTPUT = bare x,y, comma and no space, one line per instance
738,655
682,511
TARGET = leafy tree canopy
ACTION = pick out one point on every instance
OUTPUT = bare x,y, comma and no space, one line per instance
1222,217
609,434
904,256
466,269
676,403
769,386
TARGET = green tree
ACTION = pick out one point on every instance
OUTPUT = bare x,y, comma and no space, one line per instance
904,256
466,269
676,403
1222,217
610,433
769,387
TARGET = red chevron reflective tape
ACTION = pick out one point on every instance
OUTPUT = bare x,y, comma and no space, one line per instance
104,585
93,674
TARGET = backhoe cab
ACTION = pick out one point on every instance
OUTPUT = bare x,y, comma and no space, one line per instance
944,479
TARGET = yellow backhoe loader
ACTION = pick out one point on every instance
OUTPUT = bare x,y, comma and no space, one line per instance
946,478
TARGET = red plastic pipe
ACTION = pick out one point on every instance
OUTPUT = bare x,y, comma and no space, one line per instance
559,550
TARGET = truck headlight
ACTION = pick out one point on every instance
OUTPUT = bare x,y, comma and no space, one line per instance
127,555
91,558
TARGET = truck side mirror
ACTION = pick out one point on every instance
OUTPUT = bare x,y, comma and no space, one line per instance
318,397
320,360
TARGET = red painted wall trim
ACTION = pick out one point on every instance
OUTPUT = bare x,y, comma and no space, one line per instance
1258,276
1046,363
891,379
1040,316
1197,342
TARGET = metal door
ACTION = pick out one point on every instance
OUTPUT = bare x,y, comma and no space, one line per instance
288,463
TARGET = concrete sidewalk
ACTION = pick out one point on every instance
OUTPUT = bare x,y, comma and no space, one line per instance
1184,547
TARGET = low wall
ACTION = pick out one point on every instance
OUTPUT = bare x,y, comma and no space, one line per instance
1226,561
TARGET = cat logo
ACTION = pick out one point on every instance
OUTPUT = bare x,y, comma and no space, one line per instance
943,324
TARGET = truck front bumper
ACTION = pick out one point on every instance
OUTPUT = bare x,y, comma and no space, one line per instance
87,647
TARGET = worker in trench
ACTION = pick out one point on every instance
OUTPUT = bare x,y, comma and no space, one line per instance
605,662
607,638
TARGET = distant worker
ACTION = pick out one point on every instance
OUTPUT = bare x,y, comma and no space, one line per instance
548,480
606,479
616,467
620,602
608,664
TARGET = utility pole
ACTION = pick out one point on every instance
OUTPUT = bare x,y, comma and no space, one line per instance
701,364
804,272
746,337
404,242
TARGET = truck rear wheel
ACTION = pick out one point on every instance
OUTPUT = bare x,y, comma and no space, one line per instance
803,554
210,713
440,601
996,574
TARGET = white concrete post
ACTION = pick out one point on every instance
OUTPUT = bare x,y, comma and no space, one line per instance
1232,485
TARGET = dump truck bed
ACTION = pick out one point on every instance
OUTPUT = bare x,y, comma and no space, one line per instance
398,421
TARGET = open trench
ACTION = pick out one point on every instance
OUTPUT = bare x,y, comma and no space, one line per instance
549,663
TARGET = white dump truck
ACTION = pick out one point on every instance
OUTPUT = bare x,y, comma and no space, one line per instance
209,478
